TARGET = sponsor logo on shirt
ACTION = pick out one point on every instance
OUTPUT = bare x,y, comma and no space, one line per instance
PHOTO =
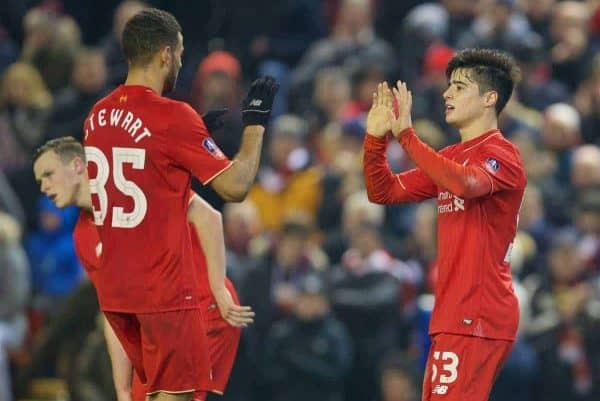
448,202
492,165
212,148
255,102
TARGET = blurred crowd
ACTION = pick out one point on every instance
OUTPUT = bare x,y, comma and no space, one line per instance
341,287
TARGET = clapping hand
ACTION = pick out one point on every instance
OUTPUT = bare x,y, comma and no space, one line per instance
403,99
379,119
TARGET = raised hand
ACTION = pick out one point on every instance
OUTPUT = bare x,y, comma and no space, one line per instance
379,119
404,101
256,107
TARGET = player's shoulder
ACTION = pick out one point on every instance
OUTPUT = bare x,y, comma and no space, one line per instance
103,101
85,221
501,145
182,108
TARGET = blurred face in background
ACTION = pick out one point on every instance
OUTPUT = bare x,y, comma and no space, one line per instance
218,90
560,129
280,149
354,16
331,92
311,307
22,85
290,250
566,264
241,224
89,72
539,163
538,10
585,168
59,180
397,386
124,13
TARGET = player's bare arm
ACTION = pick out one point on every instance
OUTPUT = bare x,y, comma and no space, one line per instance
208,224
234,183
122,370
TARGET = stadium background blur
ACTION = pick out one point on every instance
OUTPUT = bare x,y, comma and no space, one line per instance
341,287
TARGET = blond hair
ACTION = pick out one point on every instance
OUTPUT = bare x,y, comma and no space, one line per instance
38,95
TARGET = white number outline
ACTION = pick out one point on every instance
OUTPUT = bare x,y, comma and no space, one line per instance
137,158
451,368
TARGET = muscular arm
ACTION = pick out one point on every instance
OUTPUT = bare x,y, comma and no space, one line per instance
234,183
463,181
385,187
122,369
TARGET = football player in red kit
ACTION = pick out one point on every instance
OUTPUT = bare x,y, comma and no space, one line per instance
59,167
479,185
142,150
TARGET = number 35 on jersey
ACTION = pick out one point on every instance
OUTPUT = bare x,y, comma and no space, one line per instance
120,156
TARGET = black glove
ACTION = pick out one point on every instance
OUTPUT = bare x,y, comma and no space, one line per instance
256,107
212,119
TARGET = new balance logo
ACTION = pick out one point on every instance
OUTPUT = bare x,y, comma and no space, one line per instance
255,102
440,389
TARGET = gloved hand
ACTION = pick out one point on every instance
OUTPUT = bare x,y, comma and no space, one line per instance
212,119
256,107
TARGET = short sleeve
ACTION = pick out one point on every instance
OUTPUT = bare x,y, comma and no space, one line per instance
503,166
190,145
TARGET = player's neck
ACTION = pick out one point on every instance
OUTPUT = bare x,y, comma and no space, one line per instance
84,196
477,128
145,76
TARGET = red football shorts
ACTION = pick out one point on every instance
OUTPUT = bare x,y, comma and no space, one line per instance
167,349
223,342
463,368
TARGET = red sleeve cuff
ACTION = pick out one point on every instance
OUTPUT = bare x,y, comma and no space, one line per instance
406,135
373,142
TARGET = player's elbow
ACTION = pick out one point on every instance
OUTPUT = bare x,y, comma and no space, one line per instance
235,193
375,197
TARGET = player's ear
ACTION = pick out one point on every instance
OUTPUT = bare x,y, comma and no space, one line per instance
165,56
79,165
490,98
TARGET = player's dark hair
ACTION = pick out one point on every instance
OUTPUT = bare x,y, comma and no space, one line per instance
146,33
492,70
66,147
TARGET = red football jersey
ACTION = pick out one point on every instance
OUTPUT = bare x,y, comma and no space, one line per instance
87,244
142,149
474,293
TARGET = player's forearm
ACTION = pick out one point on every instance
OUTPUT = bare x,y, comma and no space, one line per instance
208,224
246,161
382,185
122,369
462,181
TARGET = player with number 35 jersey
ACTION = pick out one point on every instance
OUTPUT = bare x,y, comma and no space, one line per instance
142,150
